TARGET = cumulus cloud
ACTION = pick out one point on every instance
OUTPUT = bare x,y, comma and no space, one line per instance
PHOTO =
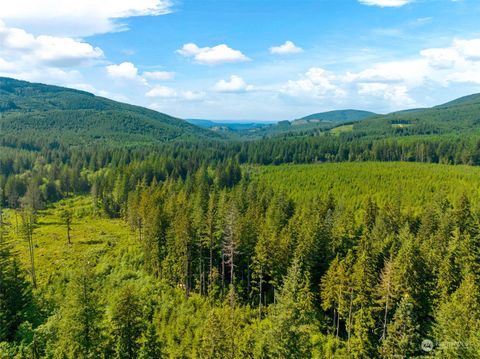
315,83
469,49
165,92
216,55
396,95
128,71
48,75
22,47
458,63
162,91
441,58
44,58
411,72
159,75
385,3
77,18
287,48
125,70
234,85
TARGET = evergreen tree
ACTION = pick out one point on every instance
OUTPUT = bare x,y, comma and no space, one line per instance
127,323
292,320
458,322
81,317
403,338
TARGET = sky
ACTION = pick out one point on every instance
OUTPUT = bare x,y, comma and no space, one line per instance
248,59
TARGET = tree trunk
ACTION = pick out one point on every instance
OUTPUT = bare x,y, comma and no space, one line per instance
68,232
350,320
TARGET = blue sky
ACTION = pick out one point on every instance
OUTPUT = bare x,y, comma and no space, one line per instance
248,59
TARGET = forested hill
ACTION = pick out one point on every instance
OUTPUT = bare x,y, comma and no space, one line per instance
40,114
461,116
339,116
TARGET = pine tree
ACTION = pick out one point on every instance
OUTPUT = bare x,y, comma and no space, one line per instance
127,323
81,316
26,232
458,321
292,320
403,338
214,343
386,292
336,290
151,347
67,217
16,301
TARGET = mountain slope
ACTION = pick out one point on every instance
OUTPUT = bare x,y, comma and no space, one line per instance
460,116
339,116
228,125
44,113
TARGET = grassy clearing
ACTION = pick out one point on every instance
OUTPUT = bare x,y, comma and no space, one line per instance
341,129
92,237
402,125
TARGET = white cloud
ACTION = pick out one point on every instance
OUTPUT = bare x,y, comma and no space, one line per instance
441,58
19,46
77,18
159,75
235,85
395,95
316,83
125,70
459,63
128,71
44,58
412,72
165,92
216,55
287,48
46,75
469,49
162,91
192,95
385,3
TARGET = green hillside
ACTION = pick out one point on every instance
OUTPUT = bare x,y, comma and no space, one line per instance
339,116
36,112
461,116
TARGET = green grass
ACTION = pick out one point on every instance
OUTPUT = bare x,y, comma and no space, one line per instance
341,129
415,184
401,125
92,237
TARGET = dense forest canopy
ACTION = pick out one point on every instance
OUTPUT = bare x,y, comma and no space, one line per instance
125,233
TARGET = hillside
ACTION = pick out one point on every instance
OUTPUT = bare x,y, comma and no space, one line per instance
338,116
460,116
228,125
34,113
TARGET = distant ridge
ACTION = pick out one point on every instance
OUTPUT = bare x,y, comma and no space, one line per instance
39,112
339,116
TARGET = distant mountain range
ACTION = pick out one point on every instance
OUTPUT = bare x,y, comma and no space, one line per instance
257,129
230,125
32,113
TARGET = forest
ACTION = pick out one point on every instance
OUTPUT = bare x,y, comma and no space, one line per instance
231,262
354,244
